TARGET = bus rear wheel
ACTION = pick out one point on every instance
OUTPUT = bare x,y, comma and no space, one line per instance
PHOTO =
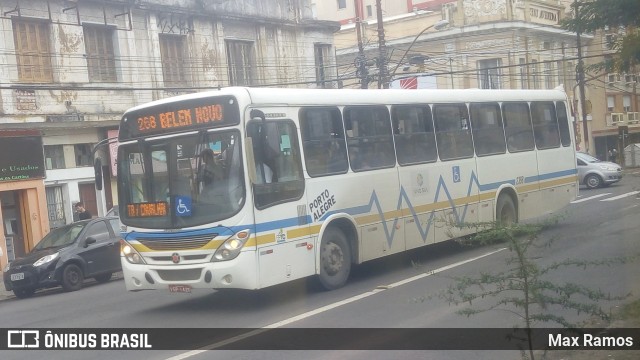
505,211
335,259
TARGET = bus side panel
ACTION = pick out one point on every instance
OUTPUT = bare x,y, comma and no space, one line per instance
497,170
455,198
377,194
417,205
286,261
556,169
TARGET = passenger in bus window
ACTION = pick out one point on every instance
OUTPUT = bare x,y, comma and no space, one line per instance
211,168
268,173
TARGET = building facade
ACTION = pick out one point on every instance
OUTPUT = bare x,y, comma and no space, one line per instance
495,44
69,69
618,111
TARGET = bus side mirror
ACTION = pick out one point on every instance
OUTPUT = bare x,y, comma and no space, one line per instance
97,169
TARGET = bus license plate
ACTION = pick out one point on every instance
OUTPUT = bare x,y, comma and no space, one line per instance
17,276
180,288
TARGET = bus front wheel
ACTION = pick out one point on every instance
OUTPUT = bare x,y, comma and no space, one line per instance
335,259
505,211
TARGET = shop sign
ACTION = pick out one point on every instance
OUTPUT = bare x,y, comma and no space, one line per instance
21,158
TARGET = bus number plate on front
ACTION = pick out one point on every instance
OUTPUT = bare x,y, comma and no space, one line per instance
17,276
180,288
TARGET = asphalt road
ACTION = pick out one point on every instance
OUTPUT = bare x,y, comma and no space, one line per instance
380,294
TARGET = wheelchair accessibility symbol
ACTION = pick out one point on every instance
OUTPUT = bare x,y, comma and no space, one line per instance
456,174
183,206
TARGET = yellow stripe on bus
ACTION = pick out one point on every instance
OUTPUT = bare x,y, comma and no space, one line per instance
303,231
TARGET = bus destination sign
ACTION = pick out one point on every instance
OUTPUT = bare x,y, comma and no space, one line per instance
186,115
143,210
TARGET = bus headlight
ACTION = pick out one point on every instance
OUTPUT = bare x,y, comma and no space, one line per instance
130,253
231,248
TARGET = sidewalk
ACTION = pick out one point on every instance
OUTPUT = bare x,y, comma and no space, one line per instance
4,294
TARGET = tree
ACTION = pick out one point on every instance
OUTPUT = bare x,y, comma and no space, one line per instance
595,15
525,287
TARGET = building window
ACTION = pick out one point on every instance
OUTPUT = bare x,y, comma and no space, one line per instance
626,103
611,103
172,51
369,11
241,60
534,75
572,74
342,4
322,56
524,84
82,154
548,75
33,53
55,206
610,40
560,73
54,157
101,62
489,73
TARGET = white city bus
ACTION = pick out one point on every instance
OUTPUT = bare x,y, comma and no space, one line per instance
252,187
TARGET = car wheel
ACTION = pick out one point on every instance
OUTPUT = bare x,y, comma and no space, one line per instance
103,278
72,278
505,211
23,293
335,259
593,181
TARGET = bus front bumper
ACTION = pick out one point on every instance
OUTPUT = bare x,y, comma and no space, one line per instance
239,273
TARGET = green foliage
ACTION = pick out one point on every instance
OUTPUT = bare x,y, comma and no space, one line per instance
595,15
523,287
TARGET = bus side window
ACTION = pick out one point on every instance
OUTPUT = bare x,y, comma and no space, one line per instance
563,124
325,151
452,131
277,161
517,126
370,139
488,134
545,125
413,134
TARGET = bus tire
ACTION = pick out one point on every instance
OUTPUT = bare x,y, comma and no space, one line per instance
505,211
335,259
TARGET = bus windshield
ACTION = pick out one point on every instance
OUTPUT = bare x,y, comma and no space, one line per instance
181,181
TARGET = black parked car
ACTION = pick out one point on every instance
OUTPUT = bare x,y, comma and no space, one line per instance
66,256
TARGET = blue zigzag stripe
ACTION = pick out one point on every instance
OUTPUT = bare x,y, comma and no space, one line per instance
459,212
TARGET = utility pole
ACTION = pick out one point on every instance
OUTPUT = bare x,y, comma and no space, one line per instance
361,60
383,80
580,70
